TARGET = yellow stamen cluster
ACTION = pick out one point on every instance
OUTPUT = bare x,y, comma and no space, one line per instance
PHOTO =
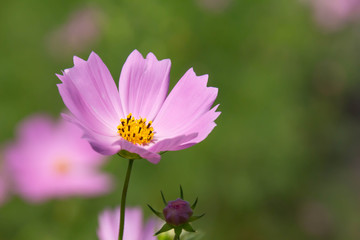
136,130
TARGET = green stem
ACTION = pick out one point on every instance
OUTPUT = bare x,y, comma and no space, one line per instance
123,199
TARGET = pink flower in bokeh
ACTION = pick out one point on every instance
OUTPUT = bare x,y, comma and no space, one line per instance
139,117
134,229
51,160
333,14
82,29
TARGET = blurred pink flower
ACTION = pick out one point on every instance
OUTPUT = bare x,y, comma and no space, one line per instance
115,120
80,31
134,229
51,160
333,14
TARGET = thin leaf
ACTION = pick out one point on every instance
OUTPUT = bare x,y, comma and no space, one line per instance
193,218
163,198
166,227
194,204
187,227
159,214
181,193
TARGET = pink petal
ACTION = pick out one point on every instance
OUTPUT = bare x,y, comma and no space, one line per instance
67,138
82,112
152,157
143,85
172,144
203,126
102,144
109,221
78,183
39,126
133,229
133,224
90,94
149,230
185,105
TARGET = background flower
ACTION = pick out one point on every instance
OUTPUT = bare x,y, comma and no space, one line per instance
333,14
51,160
81,30
133,230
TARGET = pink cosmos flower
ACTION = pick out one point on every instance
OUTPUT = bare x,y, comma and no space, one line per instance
138,118
51,160
109,221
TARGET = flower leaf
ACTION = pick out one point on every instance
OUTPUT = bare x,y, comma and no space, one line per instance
194,204
178,231
193,218
187,227
163,198
159,214
181,193
166,227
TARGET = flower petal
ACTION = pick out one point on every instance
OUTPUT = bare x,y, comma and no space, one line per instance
39,126
149,229
172,144
143,84
133,226
102,144
90,93
109,224
142,152
203,126
185,105
134,229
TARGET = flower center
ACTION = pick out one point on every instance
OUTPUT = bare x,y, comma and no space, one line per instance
61,166
136,131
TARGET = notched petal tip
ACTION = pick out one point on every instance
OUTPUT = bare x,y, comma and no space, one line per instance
203,78
93,56
135,53
60,77
78,61
215,108
151,56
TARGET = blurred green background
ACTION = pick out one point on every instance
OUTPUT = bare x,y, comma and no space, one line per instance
284,160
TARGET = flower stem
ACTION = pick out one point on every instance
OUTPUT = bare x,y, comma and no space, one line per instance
123,199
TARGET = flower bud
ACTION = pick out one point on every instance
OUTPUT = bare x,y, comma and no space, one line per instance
177,212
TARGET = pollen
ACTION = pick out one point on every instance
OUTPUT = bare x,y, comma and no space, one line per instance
136,131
